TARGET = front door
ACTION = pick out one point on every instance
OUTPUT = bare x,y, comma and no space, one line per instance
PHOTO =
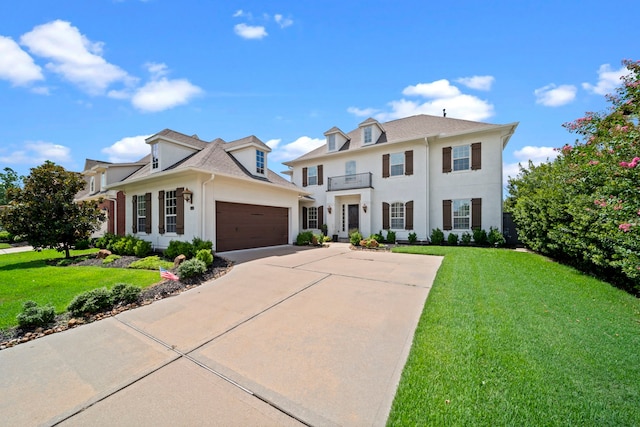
354,217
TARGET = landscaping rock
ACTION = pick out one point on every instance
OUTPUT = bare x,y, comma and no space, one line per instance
179,260
103,253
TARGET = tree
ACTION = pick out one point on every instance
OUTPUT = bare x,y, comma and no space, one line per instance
585,205
44,211
8,179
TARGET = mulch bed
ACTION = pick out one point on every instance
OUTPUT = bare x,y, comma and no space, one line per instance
166,288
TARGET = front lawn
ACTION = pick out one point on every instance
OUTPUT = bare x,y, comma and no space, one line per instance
512,338
26,276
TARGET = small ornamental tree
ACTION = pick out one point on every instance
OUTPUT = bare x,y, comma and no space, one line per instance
44,210
585,205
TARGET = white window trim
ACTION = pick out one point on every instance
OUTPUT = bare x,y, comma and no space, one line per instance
168,196
312,215
369,130
453,158
92,184
315,175
392,217
260,162
453,214
391,164
331,142
142,202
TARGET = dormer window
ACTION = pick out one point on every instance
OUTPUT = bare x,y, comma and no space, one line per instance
103,180
92,184
331,142
260,162
367,135
155,162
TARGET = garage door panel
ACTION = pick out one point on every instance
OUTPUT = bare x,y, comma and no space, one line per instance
243,226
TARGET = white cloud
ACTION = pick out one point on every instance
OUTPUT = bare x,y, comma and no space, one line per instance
555,96
41,90
34,153
16,65
477,82
440,94
157,70
74,56
608,80
273,143
536,155
438,89
162,94
250,32
238,13
294,149
282,21
129,149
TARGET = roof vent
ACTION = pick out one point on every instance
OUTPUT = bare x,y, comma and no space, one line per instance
444,112
195,136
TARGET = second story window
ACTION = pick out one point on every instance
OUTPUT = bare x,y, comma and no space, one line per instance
260,162
155,163
368,136
461,156
331,142
396,163
312,175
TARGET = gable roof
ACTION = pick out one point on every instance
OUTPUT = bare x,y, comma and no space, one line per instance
419,126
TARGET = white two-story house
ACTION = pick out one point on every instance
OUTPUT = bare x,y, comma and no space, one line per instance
408,175
219,191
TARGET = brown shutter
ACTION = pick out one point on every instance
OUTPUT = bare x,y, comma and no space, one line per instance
121,213
408,162
476,213
305,223
320,181
147,224
446,159
161,211
304,177
408,215
179,210
476,156
385,216
134,214
320,216
385,166
446,215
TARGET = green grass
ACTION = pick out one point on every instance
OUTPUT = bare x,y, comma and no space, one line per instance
4,246
513,339
26,276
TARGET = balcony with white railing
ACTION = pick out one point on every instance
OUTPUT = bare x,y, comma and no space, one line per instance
349,182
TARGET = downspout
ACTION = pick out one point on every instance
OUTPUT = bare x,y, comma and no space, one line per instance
203,207
427,201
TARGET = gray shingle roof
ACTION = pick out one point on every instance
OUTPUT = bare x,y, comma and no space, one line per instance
419,126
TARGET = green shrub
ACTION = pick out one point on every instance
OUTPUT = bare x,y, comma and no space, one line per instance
199,244
151,263
205,256
90,302
391,237
452,239
413,238
124,293
191,268
377,237
104,241
6,237
466,238
109,259
495,237
437,237
82,244
355,237
34,316
142,248
480,237
304,238
326,239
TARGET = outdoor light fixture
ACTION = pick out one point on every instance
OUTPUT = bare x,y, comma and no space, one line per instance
364,208
329,208
188,195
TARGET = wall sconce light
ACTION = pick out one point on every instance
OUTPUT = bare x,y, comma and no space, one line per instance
329,208
188,195
364,208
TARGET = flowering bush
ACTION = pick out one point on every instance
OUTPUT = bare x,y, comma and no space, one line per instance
584,207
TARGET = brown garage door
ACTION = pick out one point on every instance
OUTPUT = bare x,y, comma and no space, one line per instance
241,226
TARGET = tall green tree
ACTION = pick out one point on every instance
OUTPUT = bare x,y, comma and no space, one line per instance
44,211
585,205
8,179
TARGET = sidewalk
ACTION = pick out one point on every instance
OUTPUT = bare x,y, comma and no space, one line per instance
16,249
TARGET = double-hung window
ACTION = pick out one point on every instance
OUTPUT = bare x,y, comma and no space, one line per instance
331,142
171,210
396,163
397,215
260,162
368,135
312,218
350,171
92,185
155,162
461,157
312,175
142,213
461,214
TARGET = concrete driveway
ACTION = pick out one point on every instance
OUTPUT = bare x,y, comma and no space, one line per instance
290,336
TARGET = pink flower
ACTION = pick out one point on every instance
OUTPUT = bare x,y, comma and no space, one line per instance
617,207
625,227
567,148
594,162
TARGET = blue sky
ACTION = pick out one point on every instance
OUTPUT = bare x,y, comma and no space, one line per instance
90,79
